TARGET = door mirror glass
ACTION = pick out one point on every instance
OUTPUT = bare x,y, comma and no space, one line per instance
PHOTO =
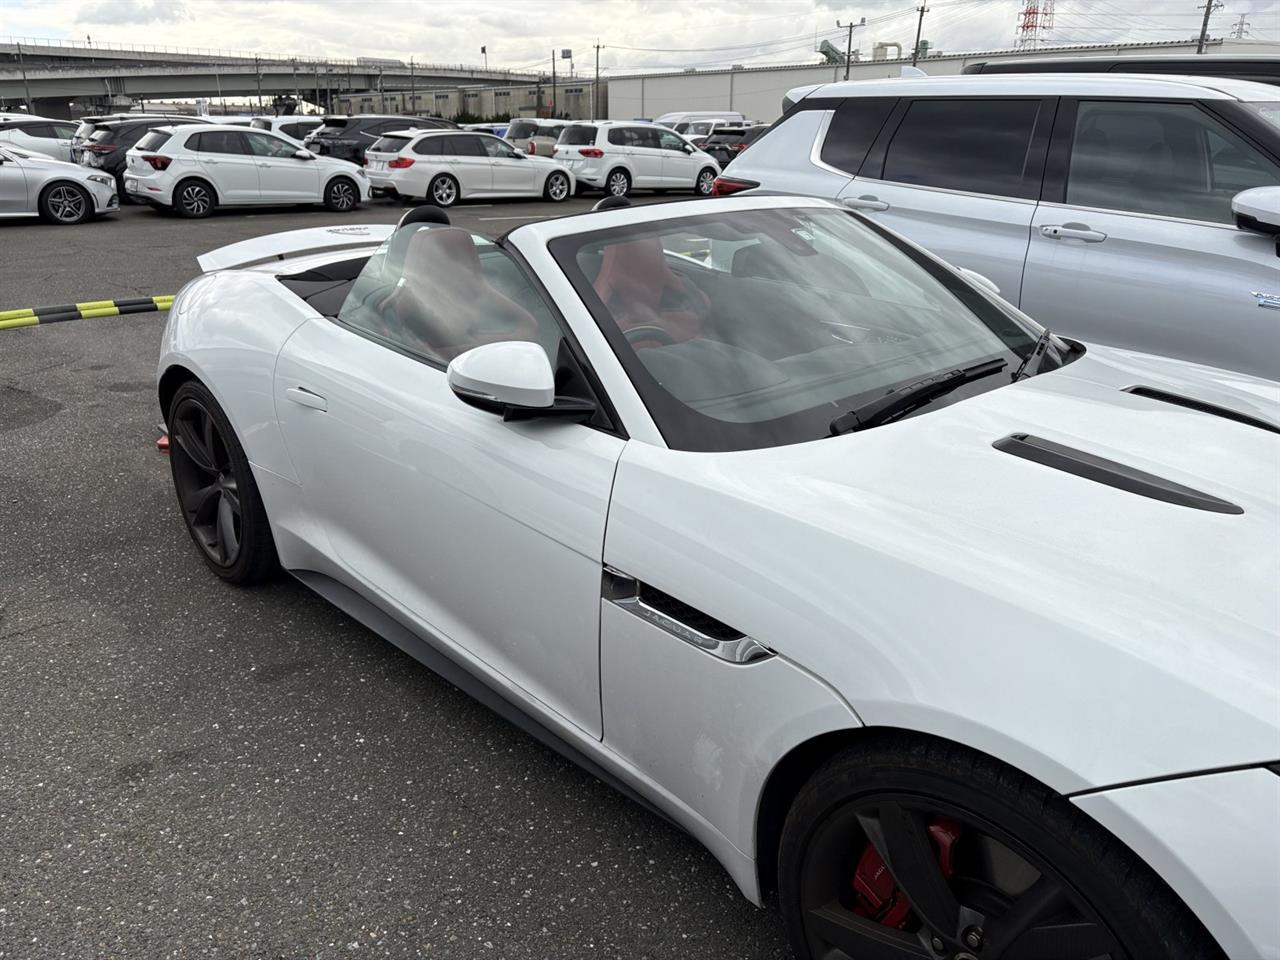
503,377
1258,209
517,153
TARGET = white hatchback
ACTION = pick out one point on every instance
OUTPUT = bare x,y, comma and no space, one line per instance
619,156
445,166
196,167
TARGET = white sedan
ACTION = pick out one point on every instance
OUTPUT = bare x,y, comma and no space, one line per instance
445,166
195,168
960,635
59,192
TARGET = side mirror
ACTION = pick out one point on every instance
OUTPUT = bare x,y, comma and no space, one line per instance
513,379
1258,209
303,155
518,152
986,283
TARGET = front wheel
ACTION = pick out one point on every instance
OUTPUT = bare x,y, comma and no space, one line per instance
65,204
443,190
341,195
556,189
706,180
899,851
216,491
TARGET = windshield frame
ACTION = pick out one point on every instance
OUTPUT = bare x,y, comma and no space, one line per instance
685,428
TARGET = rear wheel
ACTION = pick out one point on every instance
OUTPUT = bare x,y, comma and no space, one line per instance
706,179
618,183
443,190
65,204
341,195
914,853
216,490
556,189
193,199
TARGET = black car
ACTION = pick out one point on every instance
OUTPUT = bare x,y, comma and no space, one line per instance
347,138
727,142
1261,68
108,142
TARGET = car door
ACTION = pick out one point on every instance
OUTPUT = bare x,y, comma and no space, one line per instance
679,166
511,172
62,133
960,177
1135,243
647,157
282,176
468,161
488,534
223,157
13,186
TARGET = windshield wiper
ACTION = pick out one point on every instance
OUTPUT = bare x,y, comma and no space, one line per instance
1031,363
905,399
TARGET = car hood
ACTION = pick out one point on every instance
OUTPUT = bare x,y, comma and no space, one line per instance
1088,634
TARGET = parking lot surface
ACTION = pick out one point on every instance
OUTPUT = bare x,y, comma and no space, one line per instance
195,770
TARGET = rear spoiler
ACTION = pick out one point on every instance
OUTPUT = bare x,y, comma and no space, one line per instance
291,243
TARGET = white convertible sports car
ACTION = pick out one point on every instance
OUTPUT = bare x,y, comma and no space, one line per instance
961,636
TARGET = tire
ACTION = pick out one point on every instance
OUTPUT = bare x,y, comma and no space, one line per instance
617,183
65,204
995,828
556,188
341,195
702,186
443,190
217,494
194,199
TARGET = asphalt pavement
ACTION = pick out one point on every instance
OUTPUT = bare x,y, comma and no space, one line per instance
189,769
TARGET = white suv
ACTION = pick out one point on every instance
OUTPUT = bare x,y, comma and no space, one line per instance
196,167
617,156
1102,205
534,135
445,166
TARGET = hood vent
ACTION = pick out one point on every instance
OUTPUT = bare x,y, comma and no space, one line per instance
1113,474
1151,393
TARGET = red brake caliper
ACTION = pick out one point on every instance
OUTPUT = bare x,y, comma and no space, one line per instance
878,897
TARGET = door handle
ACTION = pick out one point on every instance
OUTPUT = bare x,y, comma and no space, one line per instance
264,164
1267,299
866,202
307,398
215,162
1072,231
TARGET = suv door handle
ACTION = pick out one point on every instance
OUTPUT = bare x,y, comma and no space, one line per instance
1072,231
307,398
866,202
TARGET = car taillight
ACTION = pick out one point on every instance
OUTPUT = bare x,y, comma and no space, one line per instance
533,148
738,146
400,163
99,147
725,186
158,162
594,153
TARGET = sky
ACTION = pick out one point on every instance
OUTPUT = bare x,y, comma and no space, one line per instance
635,35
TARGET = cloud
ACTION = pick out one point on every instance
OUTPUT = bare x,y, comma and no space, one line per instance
130,12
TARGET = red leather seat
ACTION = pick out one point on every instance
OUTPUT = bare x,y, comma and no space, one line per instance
641,290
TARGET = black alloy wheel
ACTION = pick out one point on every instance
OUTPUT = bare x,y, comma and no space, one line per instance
193,199
216,490
340,195
884,857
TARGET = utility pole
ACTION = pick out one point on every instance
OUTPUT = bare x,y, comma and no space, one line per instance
382,100
317,78
413,88
848,46
915,51
595,86
1208,8
297,94
26,87
1241,28
553,83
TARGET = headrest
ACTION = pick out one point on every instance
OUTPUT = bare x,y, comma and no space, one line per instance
612,203
426,213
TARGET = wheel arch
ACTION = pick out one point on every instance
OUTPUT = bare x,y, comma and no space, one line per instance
173,377
217,200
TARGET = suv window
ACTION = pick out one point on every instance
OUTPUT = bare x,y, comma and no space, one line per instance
1166,159
216,141
498,149
978,146
63,131
429,146
389,145
154,140
669,141
42,130
265,145
463,146
578,136
853,129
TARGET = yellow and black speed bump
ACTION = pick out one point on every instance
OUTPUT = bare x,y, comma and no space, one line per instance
81,311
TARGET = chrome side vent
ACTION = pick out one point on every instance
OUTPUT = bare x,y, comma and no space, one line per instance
1109,472
679,619
1151,393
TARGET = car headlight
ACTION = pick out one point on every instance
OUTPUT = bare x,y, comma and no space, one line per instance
100,178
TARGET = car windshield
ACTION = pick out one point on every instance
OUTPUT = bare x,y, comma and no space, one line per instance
696,129
260,124
1268,110
522,130
331,127
681,127
579,135
756,328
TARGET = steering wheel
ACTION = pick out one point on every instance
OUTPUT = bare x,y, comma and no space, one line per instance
647,332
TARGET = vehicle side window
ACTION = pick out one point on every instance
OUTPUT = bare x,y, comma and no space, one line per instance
290,130
553,132
618,137
42,130
265,145
648,137
978,146
669,141
63,131
1165,159
467,146
853,129
216,141
498,149
435,292
430,146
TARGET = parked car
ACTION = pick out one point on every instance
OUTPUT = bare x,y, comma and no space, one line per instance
696,131
347,138
959,635
497,129
1112,222
444,167
535,136
59,192
676,119
295,128
618,156
1262,68
41,135
727,142
87,126
108,145
194,168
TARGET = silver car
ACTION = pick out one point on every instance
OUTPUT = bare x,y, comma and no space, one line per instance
60,192
1102,205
